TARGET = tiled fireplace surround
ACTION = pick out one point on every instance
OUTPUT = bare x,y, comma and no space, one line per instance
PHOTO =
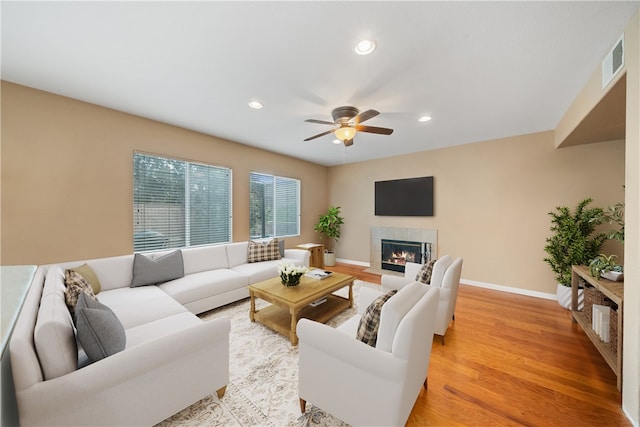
398,233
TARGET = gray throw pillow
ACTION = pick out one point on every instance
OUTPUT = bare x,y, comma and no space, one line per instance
370,320
147,271
99,331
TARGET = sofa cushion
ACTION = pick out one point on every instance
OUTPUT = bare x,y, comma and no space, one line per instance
204,258
370,320
89,275
259,271
424,274
263,251
160,328
394,311
53,334
147,271
237,253
197,286
75,286
136,306
99,331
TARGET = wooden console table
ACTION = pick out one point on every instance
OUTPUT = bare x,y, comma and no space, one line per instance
317,254
615,292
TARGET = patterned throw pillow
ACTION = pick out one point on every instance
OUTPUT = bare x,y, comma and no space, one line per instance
90,276
424,275
267,251
76,284
370,320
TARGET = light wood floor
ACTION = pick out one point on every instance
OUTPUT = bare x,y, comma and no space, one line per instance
513,360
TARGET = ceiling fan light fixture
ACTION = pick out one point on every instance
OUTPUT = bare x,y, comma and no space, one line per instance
256,105
344,133
365,47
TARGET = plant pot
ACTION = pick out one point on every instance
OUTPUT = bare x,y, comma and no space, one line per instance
614,276
563,294
329,258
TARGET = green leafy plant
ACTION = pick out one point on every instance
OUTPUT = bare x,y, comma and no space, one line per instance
614,214
603,264
329,224
574,241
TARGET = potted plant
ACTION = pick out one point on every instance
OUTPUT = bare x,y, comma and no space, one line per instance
573,242
606,267
614,214
329,225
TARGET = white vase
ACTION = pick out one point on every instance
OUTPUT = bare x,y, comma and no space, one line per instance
563,294
329,259
613,276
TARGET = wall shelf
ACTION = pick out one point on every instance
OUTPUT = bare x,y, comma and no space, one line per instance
615,292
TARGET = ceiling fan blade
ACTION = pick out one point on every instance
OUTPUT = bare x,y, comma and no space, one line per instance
319,135
374,129
322,122
365,115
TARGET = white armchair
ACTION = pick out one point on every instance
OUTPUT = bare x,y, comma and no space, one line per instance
446,277
363,385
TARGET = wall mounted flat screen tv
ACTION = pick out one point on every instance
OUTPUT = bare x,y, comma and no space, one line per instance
404,197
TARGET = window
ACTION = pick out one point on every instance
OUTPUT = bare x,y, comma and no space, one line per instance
178,203
274,206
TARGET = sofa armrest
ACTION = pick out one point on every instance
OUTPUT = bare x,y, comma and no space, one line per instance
162,376
298,254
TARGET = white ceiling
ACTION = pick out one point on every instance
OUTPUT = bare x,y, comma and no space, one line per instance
483,70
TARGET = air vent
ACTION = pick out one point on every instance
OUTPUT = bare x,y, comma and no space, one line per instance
613,62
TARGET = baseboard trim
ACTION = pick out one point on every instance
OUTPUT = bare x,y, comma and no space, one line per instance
501,288
348,261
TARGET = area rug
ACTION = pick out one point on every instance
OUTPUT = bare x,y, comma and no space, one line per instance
263,370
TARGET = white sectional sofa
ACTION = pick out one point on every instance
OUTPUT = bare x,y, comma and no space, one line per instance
171,358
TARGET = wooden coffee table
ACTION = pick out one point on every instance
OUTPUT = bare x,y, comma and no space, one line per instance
290,304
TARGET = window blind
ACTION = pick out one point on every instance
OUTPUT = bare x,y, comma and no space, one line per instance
274,206
178,203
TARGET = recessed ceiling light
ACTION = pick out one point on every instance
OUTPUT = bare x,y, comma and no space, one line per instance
337,141
365,47
424,118
256,105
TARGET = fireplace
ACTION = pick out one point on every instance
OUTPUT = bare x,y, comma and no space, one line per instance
396,253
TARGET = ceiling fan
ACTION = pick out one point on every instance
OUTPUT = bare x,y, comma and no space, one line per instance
348,119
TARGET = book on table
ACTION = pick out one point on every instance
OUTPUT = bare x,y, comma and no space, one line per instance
318,274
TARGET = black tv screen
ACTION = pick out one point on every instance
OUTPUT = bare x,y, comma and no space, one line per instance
404,197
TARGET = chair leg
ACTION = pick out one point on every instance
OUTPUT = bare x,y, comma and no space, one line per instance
303,405
426,380
220,392
453,317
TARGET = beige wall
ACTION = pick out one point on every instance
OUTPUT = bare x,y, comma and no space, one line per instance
491,201
67,176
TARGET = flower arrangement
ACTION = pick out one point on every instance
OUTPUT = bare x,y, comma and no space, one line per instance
290,273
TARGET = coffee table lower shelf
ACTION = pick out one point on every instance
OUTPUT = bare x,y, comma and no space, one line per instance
280,319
